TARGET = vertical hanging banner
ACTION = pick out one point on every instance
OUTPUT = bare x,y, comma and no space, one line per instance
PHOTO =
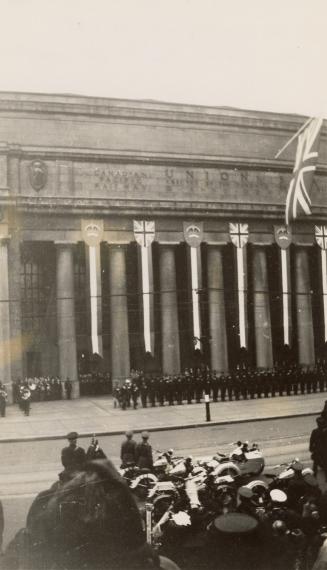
144,233
321,239
193,234
239,234
92,231
283,237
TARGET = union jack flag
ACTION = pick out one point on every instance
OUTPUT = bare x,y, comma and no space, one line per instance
305,164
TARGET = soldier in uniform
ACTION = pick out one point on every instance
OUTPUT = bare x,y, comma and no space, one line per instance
152,391
188,387
144,458
68,388
135,394
198,387
237,384
73,457
215,385
144,393
244,385
179,390
3,400
169,382
128,450
223,386
161,391
229,382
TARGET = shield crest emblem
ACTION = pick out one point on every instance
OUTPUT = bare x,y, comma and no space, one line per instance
38,174
92,231
239,234
321,236
144,232
193,233
283,236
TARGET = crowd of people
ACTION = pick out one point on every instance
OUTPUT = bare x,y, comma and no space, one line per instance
242,383
95,384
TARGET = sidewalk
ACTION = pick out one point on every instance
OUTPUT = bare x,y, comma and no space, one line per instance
52,420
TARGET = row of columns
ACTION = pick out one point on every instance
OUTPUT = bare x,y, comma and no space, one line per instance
169,323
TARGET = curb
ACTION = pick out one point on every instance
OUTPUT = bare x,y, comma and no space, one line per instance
156,429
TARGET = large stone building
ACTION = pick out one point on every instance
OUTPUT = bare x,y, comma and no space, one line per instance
84,180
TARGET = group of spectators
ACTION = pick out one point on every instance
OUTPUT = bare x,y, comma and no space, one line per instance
42,388
242,383
94,384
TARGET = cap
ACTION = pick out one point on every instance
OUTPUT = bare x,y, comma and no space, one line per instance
145,435
297,466
129,433
72,435
279,526
310,480
278,496
245,492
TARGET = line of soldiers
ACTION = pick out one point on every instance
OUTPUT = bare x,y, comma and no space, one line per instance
94,384
242,383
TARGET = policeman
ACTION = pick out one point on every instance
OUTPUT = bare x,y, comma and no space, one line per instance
128,450
72,457
229,382
144,459
215,385
144,393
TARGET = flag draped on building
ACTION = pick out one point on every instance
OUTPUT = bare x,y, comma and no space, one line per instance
239,234
283,237
193,234
92,231
298,199
144,233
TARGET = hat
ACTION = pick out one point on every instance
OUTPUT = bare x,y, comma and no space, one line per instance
297,466
245,492
72,435
129,433
278,496
145,435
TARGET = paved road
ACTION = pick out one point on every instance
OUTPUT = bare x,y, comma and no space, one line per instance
27,468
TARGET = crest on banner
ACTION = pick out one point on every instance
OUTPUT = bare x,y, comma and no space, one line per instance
193,233
92,231
239,234
144,232
283,236
321,236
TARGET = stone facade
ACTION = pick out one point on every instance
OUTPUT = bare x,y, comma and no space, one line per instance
64,159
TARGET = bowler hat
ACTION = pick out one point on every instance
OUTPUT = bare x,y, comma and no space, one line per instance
72,435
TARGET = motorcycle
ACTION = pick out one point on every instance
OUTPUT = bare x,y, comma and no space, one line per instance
242,461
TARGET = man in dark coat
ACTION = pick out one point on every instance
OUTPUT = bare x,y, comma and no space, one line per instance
318,446
73,457
144,457
3,400
128,450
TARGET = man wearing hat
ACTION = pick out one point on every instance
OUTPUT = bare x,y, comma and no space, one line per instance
144,457
128,450
73,457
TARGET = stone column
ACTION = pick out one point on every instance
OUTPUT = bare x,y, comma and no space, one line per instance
303,307
66,315
119,340
262,322
5,340
169,311
217,319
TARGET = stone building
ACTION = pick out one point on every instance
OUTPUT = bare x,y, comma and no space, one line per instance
152,234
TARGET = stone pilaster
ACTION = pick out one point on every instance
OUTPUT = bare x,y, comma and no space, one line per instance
119,339
5,336
169,311
217,319
306,354
262,322
66,315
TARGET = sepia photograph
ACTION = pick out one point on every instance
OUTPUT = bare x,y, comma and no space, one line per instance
163,285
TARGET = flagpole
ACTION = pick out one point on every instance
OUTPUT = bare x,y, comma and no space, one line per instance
294,137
